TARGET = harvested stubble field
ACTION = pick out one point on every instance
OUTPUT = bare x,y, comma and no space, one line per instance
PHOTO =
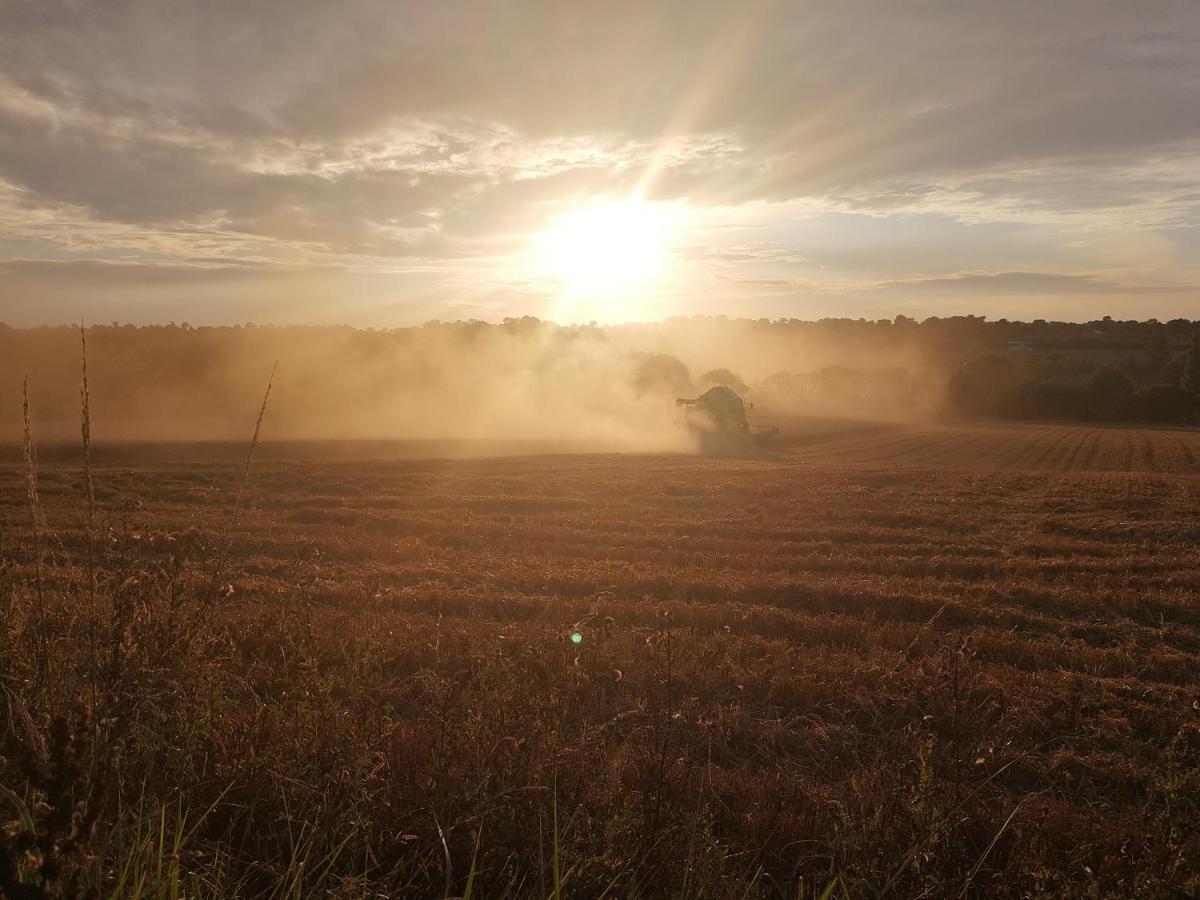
920,661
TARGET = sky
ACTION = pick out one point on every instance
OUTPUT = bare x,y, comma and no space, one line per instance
381,162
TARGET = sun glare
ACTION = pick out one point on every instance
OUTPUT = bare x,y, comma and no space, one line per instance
608,257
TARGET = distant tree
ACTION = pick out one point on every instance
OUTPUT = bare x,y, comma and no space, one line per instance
1172,371
784,390
841,384
985,386
525,325
724,377
1191,372
1110,382
892,389
1164,403
1054,400
1109,392
661,373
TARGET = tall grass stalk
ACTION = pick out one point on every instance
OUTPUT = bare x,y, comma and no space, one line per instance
249,466
470,888
559,875
235,515
85,430
445,857
150,866
557,861
35,517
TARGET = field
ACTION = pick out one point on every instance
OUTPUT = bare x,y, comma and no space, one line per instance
884,661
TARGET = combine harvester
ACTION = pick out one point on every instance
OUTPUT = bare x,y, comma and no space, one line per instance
718,420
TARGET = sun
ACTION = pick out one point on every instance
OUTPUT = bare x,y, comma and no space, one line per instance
607,257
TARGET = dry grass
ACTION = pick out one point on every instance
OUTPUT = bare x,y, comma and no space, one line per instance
906,662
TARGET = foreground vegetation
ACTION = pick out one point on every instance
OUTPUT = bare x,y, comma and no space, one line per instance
901,662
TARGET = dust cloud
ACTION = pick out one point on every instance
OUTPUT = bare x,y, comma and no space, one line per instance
595,388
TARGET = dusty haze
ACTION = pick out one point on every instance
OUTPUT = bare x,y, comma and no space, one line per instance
603,388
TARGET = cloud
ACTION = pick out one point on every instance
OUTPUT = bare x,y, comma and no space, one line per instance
389,134
225,291
1035,283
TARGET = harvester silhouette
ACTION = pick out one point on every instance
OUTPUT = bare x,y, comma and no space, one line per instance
718,420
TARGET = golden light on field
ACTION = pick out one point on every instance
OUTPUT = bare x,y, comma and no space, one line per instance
608,258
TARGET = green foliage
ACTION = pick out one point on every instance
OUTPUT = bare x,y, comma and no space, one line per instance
993,387
1191,372
985,386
